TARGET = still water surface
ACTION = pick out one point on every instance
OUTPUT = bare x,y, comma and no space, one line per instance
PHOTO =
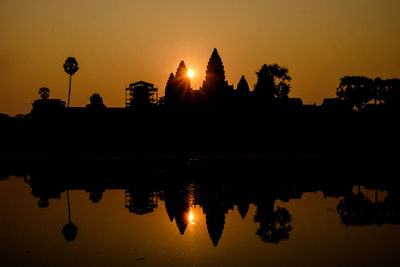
196,225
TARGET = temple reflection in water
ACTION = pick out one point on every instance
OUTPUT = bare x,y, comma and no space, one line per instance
216,191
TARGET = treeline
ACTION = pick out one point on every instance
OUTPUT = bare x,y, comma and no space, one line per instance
360,92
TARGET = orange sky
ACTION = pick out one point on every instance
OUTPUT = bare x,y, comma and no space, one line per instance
117,42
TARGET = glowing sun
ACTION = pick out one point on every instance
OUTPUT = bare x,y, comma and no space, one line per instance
190,73
191,217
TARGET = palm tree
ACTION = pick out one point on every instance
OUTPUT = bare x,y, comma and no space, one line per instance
44,92
70,67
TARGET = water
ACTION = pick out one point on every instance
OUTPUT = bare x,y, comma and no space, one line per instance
237,223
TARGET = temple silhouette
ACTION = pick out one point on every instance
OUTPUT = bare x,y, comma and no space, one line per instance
215,119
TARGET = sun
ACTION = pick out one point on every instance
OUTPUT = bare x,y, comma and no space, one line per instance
190,73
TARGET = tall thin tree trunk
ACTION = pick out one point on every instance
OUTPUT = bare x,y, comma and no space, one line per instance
69,91
69,208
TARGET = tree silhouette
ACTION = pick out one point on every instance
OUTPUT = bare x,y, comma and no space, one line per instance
356,91
393,92
274,226
70,67
96,102
379,90
356,209
273,82
392,206
44,92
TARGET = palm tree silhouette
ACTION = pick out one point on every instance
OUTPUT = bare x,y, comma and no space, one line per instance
70,230
70,67
44,92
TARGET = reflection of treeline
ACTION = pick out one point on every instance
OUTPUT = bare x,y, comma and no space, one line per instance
217,190
357,209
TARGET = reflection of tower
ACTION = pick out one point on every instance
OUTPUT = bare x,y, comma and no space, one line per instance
215,220
182,219
140,202
169,205
243,208
216,203
177,206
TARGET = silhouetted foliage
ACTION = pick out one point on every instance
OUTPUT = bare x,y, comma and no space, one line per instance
96,102
272,83
392,93
380,90
356,90
274,225
70,67
356,209
44,92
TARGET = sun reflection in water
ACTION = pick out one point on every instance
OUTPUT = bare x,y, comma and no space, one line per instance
191,218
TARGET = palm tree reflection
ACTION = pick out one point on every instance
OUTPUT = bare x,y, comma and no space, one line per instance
69,231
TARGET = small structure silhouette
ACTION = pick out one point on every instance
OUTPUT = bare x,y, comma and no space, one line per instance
140,95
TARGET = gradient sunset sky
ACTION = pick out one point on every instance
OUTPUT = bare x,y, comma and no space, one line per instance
117,42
